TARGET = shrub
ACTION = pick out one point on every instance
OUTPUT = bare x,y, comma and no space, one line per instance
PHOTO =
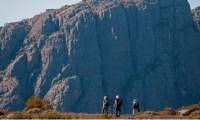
36,102
33,102
46,105
34,111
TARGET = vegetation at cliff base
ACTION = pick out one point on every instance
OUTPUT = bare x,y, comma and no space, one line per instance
36,102
37,108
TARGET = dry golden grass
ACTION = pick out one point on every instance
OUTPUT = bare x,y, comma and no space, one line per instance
41,109
59,115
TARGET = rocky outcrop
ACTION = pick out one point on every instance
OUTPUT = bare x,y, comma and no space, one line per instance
77,54
196,16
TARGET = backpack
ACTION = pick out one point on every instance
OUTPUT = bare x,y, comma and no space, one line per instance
135,104
118,102
107,103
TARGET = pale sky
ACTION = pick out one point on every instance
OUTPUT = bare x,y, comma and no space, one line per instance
16,10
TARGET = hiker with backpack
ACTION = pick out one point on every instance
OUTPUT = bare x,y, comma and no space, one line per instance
136,106
106,105
117,105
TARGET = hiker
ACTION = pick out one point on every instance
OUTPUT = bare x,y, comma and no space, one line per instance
136,106
117,105
106,105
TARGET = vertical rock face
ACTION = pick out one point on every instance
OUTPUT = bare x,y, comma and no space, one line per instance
196,16
77,54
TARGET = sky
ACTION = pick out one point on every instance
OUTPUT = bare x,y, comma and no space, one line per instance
16,10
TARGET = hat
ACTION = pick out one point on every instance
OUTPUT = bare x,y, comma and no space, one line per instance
117,97
105,97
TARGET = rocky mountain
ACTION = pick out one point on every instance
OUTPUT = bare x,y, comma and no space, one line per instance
196,16
145,49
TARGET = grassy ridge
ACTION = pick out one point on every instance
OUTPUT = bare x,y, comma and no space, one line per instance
37,108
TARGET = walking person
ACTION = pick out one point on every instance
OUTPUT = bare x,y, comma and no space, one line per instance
136,106
106,104
117,105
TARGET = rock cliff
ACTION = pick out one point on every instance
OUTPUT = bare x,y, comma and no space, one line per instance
196,16
145,49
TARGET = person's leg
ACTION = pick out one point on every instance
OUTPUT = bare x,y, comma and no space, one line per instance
116,112
136,110
119,112
133,111
106,110
103,110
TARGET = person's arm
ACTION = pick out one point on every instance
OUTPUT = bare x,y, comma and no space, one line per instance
103,103
115,104
132,105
